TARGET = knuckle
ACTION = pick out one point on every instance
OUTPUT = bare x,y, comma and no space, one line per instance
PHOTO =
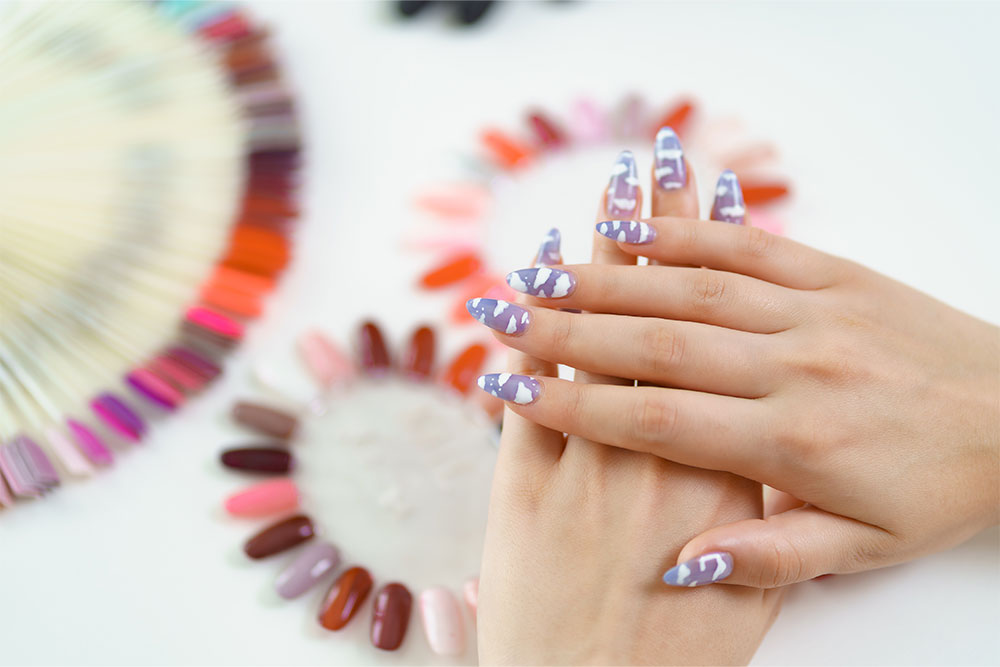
661,349
754,242
654,420
708,289
788,565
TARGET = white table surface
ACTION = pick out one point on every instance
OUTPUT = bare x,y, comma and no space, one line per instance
886,115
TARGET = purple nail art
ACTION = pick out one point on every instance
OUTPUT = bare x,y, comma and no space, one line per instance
728,205
669,168
705,569
623,193
500,315
520,389
627,231
542,281
116,414
549,252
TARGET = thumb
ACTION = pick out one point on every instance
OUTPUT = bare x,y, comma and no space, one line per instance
782,549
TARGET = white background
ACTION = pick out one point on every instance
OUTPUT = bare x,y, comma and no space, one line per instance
886,115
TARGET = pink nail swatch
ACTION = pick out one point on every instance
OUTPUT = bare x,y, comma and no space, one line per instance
442,621
263,499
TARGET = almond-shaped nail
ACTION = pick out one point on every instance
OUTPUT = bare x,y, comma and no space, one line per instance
728,205
500,315
345,597
550,252
627,231
706,569
391,616
264,499
542,282
280,536
623,187
374,354
668,160
266,420
419,360
442,621
312,564
520,389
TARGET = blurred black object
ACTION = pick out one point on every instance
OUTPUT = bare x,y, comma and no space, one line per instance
466,12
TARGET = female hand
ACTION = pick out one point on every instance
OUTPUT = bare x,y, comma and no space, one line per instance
579,533
872,402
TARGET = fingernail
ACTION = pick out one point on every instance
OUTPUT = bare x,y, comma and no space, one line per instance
266,420
326,363
669,160
312,563
520,389
462,372
257,459
263,499
280,536
627,231
500,315
420,354
442,621
622,195
345,597
374,354
549,252
542,282
706,569
391,616
728,205
470,591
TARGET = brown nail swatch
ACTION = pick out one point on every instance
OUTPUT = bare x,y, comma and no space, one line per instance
258,459
263,419
345,597
374,354
280,536
391,616
420,355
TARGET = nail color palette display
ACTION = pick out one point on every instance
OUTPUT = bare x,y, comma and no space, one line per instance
459,214
148,165
375,487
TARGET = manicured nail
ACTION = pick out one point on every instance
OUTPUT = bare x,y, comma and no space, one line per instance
419,359
264,499
500,315
280,536
470,591
728,205
391,616
326,363
345,597
669,167
313,562
520,389
258,459
623,187
266,420
706,569
549,252
374,354
627,231
543,282
442,621
461,374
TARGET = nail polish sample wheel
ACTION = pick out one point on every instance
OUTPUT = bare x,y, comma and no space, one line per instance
148,154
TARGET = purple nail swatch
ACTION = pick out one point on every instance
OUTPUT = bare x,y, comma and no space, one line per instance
668,160
542,281
314,561
627,231
728,205
623,187
38,463
549,252
89,443
116,414
500,315
520,389
706,569
26,467
16,473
